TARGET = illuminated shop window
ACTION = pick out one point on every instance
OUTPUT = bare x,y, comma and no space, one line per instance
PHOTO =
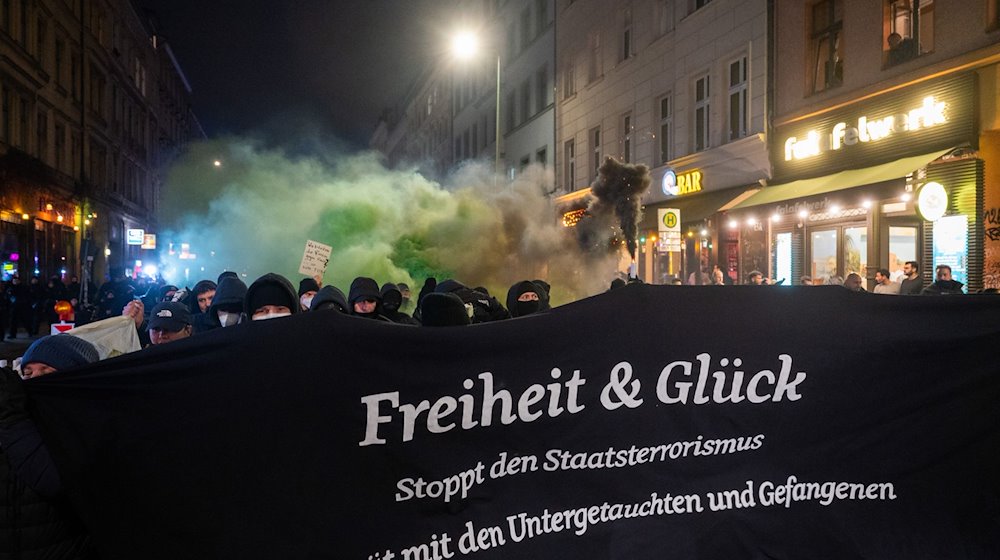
826,34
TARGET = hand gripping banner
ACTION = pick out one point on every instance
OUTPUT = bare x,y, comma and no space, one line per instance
648,422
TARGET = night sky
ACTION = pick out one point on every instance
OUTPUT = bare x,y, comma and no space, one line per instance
286,69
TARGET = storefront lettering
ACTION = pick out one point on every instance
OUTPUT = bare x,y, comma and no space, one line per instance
929,114
678,184
785,209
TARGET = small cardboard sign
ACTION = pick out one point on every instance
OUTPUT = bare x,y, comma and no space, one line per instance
315,258
57,328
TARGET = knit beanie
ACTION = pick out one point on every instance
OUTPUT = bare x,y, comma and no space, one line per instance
61,351
308,285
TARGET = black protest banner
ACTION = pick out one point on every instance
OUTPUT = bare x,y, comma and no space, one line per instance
649,422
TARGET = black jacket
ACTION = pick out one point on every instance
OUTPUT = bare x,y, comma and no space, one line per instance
943,288
392,298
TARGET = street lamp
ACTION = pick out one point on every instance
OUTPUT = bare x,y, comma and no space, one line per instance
465,46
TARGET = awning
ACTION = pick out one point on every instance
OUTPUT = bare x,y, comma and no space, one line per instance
839,181
694,208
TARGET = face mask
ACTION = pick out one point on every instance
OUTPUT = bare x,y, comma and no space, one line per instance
227,319
306,301
270,316
527,307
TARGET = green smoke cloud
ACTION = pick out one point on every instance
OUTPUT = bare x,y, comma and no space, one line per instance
254,212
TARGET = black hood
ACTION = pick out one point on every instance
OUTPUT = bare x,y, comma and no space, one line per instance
229,296
330,294
271,289
392,298
522,308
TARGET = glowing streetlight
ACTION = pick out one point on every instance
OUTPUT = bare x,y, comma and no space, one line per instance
217,163
465,46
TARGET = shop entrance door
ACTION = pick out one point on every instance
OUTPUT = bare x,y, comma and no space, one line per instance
838,250
903,244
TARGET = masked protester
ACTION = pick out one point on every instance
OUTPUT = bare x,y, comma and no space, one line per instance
445,310
526,298
307,291
38,522
270,297
330,298
392,299
169,321
485,308
365,299
227,304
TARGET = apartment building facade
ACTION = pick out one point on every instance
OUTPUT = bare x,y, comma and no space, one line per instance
94,106
679,86
885,143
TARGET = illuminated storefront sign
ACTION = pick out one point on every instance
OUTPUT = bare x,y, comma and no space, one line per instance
134,236
931,113
883,127
148,241
685,183
932,201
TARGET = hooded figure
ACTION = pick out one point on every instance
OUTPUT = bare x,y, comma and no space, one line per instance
307,291
484,308
330,297
365,300
428,288
269,297
526,298
444,310
227,305
392,300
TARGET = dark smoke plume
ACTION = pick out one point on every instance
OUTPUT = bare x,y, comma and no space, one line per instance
618,190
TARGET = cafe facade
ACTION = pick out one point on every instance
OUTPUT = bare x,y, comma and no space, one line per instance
873,183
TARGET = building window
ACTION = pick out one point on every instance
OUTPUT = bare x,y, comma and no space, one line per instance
60,56
60,145
698,4
5,15
702,106
569,80
40,36
626,34
738,98
595,150
525,27
5,114
22,36
511,41
43,136
910,30
475,140
511,111
542,157
541,16
466,144
542,88
627,137
525,162
666,128
827,30
594,57
24,111
570,171
525,101
664,16
993,15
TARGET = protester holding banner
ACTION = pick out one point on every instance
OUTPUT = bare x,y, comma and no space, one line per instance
39,522
271,296
527,297
330,297
227,304
485,308
307,291
365,299
392,299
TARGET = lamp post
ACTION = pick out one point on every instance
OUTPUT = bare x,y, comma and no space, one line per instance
465,46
